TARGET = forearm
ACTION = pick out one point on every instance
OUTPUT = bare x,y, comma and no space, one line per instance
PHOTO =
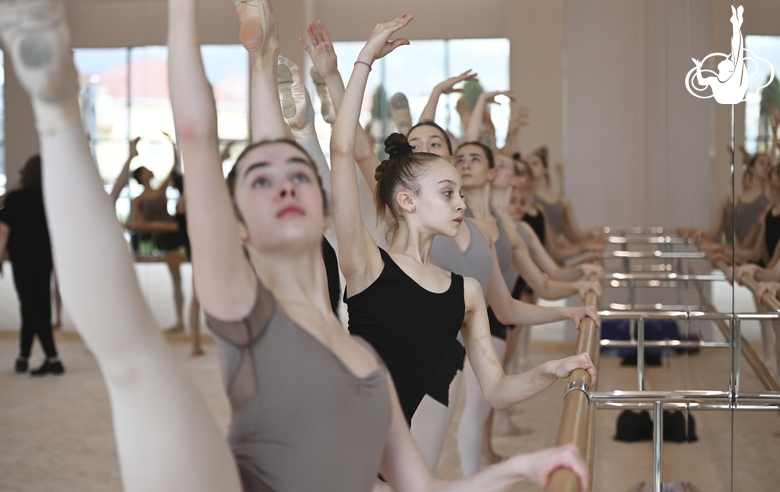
499,477
311,145
475,121
121,180
511,390
513,312
192,98
265,112
429,111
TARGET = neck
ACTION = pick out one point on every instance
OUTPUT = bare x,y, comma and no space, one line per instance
296,275
411,241
478,201
500,198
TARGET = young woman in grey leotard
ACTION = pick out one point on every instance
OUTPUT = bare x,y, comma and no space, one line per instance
166,438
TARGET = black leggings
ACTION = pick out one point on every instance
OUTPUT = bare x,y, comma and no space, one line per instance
33,285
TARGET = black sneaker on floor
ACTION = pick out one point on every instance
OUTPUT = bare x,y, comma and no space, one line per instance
21,365
48,368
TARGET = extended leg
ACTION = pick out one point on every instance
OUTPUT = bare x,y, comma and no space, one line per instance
166,438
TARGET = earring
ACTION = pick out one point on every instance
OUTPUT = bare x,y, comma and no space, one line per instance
413,209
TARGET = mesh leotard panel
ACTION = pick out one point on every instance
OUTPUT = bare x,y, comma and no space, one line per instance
301,419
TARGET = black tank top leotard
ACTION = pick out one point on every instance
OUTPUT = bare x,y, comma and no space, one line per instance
771,232
537,224
411,328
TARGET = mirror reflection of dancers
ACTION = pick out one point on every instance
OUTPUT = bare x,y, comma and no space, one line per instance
731,83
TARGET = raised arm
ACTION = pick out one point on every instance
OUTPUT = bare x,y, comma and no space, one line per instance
324,59
124,175
359,260
223,278
474,129
176,168
445,87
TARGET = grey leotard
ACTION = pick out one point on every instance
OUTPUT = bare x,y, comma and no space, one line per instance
301,419
728,228
747,214
553,211
476,261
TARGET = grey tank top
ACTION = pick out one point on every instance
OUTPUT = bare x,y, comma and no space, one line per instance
728,226
301,419
503,251
747,214
476,261
553,211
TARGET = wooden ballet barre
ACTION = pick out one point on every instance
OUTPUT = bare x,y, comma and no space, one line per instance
156,226
767,381
578,418
645,240
676,255
768,300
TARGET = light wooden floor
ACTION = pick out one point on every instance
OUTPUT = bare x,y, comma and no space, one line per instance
56,432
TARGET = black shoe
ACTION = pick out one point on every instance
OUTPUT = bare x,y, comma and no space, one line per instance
21,365
48,367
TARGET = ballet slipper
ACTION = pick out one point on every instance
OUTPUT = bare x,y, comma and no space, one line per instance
257,27
296,104
399,113
326,104
37,39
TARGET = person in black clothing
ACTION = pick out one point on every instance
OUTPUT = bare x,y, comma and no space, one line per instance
24,233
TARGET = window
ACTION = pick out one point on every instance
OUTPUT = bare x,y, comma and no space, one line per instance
757,107
414,70
124,94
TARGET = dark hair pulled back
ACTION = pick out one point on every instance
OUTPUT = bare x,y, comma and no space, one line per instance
434,125
402,169
485,149
31,173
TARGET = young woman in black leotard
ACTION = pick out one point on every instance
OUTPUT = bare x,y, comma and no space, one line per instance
420,195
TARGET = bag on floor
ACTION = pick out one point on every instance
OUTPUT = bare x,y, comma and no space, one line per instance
634,426
675,429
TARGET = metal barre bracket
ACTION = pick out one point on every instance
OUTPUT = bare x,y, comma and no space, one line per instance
578,386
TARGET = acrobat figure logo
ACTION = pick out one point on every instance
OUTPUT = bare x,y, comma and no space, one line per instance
730,84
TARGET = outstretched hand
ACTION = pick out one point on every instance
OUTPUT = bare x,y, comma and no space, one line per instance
321,51
448,86
490,97
696,62
584,287
562,368
577,314
770,288
379,44
133,149
589,269
539,466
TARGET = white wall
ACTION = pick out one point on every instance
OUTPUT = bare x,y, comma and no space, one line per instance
639,148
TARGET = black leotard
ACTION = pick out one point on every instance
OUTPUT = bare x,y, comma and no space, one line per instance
537,224
771,232
411,328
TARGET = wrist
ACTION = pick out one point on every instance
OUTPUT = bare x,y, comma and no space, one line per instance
365,57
